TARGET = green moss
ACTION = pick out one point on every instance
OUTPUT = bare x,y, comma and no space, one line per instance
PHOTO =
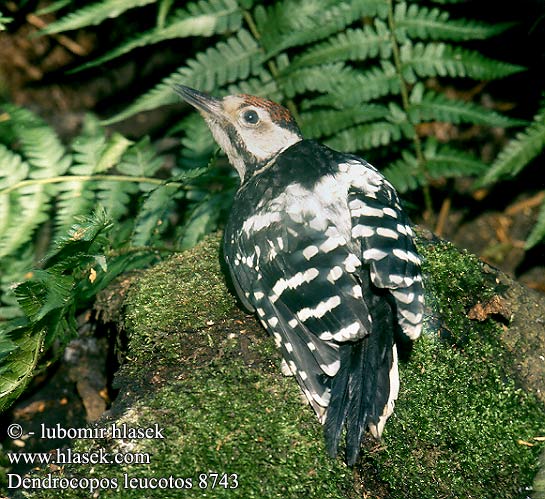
460,415
214,384
222,415
186,292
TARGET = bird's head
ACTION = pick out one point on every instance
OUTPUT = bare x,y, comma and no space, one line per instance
251,130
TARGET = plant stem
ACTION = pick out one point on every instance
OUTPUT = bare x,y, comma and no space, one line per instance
85,178
420,158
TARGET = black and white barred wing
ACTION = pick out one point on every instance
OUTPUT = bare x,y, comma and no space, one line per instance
295,269
387,242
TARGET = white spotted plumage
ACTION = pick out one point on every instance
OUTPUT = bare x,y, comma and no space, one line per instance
319,247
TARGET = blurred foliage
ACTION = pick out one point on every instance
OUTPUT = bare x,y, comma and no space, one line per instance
72,219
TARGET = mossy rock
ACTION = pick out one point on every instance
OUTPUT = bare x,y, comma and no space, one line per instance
208,376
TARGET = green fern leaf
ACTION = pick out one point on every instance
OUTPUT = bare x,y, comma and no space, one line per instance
231,60
87,147
12,168
420,22
3,21
323,79
519,152
447,162
93,153
29,209
360,87
204,18
43,293
13,117
114,197
53,7
365,137
350,45
12,171
24,345
404,174
74,197
294,23
202,220
538,231
150,222
440,59
140,160
198,143
12,269
437,107
93,14
315,124
45,154
263,85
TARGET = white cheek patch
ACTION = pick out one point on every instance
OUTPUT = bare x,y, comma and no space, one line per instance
265,144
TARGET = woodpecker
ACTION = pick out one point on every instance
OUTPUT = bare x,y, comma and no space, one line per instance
319,247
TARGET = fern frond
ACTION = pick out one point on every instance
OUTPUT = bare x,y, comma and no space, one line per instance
150,221
3,21
204,18
350,45
365,137
421,22
13,116
447,162
75,197
93,14
114,197
45,154
404,173
29,208
53,7
360,87
12,168
440,59
323,79
433,106
140,160
12,269
17,373
236,58
203,219
321,123
519,152
263,85
87,147
295,22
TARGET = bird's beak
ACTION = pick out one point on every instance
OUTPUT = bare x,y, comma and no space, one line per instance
205,104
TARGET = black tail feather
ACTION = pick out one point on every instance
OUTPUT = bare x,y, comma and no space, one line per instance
361,389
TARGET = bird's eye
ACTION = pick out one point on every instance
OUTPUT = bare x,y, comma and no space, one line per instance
250,117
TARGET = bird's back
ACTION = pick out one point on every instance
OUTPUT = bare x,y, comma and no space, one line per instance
294,259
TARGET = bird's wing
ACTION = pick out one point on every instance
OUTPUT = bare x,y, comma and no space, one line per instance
386,239
298,276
